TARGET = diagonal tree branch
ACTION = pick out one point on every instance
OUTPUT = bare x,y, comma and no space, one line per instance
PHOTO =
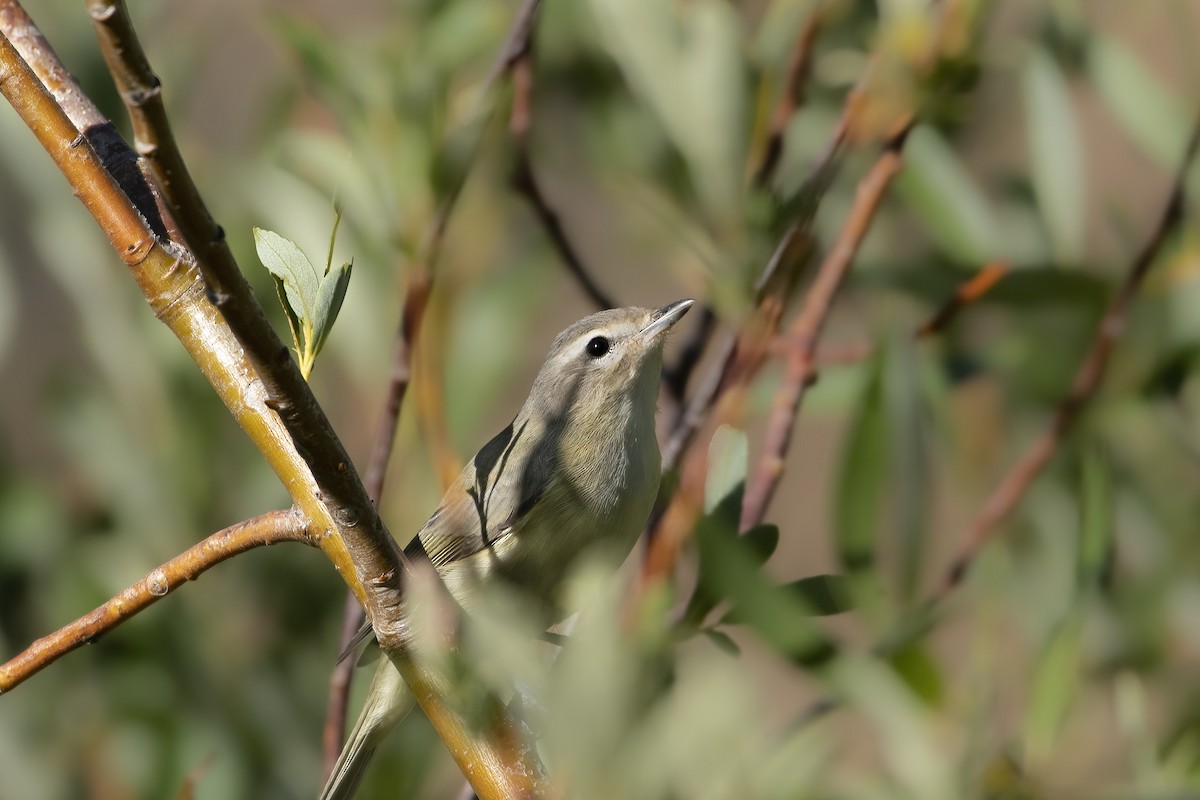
1088,378
967,293
791,97
270,528
343,505
806,331
518,61
251,370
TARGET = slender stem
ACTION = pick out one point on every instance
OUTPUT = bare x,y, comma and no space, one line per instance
791,97
520,68
1088,378
343,505
270,528
967,293
225,331
806,331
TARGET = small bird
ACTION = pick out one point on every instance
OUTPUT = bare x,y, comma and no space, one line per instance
576,472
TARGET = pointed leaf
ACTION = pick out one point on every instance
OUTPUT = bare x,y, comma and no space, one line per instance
779,617
762,541
825,595
329,302
292,320
1096,518
1154,116
723,642
861,474
945,196
1056,154
287,262
727,461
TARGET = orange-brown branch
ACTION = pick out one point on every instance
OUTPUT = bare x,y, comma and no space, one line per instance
806,330
270,528
1016,482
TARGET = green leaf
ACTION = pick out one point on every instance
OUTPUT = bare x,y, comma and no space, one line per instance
861,475
781,618
1096,503
293,321
944,195
723,642
907,423
919,671
762,541
288,264
825,595
728,454
1056,152
686,63
329,302
1152,115
1055,686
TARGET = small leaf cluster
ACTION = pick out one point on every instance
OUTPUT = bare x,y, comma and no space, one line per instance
310,299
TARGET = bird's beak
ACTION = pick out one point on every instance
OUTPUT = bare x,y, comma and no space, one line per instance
663,318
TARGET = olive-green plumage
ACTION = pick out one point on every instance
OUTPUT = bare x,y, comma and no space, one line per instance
574,473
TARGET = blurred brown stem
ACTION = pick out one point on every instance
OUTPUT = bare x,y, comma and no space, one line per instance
967,293
269,528
1016,482
519,64
790,97
805,332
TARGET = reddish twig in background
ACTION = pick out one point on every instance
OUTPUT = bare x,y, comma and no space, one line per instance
790,98
677,375
806,330
1088,377
269,528
968,292
513,53
519,62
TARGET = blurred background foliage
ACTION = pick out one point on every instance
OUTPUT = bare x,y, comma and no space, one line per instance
1065,667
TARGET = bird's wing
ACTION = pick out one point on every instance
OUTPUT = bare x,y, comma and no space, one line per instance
495,492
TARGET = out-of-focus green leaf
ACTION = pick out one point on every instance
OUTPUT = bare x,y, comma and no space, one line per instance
938,188
686,63
780,617
723,641
762,541
1096,509
907,429
1056,155
1055,685
727,459
1152,115
825,595
860,476
918,669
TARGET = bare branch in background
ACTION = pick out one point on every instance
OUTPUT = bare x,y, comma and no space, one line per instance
1016,482
967,293
270,528
791,97
806,331
519,63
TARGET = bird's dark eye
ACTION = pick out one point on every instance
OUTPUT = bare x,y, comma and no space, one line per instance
597,347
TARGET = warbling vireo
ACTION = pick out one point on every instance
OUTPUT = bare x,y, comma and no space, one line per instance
575,472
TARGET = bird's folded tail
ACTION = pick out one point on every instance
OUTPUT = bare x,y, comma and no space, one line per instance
388,701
